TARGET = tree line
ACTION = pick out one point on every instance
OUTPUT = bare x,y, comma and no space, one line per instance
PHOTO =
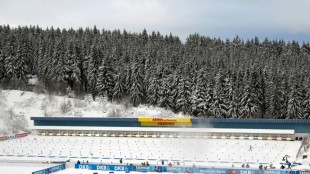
203,77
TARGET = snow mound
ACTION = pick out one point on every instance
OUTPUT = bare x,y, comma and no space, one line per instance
31,104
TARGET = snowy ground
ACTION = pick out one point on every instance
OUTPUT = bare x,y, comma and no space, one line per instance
201,152
30,104
22,168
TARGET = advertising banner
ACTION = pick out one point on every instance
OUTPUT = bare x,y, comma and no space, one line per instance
56,168
51,169
162,122
21,135
44,171
144,168
104,167
178,169
209,170
3,138
303,172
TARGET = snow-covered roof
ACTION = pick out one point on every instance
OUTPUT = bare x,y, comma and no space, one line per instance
161,129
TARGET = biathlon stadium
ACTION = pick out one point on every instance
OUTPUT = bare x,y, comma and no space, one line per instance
174,145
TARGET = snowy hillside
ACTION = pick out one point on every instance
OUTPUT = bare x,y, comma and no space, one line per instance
30,104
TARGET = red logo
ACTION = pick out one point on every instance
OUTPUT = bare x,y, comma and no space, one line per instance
157,119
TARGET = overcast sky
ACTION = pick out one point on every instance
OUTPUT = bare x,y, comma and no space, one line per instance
275,19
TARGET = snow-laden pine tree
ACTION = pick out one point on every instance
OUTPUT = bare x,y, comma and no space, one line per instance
72,70
153,91
92,71
294,104
218,106
10,58
21,68
275,99
198,100
184,93
106,79
306,106
58,67
233,108
165,92
175,80
249,99
136,89
2,58
119,88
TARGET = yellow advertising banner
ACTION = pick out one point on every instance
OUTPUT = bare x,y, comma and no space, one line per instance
177,122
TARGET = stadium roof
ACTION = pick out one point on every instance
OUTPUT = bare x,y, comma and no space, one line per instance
192,120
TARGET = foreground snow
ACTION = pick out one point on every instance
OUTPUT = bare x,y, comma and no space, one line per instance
201,152
22,168
30,104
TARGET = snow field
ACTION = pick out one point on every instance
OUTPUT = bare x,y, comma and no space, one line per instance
203,152
22,168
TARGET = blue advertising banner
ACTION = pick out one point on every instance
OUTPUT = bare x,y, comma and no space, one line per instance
143,168
303,172
56,168
40,172
210,170
178,169
104,167
51,169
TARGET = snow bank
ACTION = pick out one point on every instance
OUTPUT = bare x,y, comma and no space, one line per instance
29,104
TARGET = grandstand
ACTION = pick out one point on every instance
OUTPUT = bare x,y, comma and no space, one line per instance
180,127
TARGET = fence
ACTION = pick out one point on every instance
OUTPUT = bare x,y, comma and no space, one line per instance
177,169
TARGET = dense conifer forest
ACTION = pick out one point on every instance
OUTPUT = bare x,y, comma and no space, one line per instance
203,77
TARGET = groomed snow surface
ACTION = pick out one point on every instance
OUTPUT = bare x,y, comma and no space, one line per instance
201,152
22,168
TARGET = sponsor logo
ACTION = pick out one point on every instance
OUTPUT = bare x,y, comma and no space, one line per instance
164,119
53,169
246,172
166,123
38,172
157,119
143,167
212,171
102,168
119,168
173,169
85,167
271,172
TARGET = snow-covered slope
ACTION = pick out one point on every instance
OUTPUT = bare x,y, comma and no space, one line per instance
30,104
202,152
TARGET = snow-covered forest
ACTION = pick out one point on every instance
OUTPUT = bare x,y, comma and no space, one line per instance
205,77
